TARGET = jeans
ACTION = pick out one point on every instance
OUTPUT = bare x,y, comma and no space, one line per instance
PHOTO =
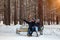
29,31
35,28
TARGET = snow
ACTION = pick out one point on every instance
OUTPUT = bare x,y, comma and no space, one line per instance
17,37
9,29
50,32
52,29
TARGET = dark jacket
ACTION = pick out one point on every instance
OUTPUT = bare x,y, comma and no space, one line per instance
31,24
37,24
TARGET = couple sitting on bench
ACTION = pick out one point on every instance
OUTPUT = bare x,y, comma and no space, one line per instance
33,26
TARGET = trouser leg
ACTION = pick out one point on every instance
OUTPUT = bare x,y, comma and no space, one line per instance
29,32
32,30
36,29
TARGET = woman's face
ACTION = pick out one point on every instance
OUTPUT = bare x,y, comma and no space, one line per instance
37,20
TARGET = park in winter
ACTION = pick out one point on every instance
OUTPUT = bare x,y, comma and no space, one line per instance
29,19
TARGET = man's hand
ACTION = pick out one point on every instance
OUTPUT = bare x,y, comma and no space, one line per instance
21,18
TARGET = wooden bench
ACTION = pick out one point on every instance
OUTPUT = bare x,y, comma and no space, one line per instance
22,28
25,29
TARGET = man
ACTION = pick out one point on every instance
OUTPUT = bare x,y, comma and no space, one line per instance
31,24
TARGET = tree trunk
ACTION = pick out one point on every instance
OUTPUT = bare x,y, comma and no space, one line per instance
21,13
57,20
15,14
40,11
7,12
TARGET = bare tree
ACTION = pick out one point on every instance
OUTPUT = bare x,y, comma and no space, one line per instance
7,12
40,11
15,14
57,22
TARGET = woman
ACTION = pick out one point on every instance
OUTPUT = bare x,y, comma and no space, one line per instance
36,26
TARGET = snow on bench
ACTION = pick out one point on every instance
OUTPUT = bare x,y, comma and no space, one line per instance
22,28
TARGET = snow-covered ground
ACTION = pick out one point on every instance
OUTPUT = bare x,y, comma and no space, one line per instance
50,32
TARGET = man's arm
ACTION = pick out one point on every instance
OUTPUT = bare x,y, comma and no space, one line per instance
25,20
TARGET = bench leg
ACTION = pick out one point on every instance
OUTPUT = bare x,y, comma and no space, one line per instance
17,32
